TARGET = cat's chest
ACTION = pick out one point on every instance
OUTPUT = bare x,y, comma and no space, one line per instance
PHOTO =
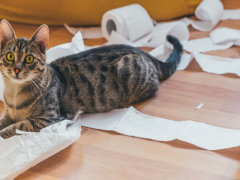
19,106
18,115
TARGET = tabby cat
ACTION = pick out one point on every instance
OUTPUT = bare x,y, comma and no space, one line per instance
38,94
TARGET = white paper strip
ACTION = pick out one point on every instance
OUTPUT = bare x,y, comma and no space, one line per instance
225,35
134,123
217,65
205,45
231,14
221,38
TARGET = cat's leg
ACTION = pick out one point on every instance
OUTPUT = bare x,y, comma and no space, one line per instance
5,121
11,130
31,125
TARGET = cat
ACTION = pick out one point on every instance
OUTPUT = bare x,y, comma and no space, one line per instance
38,94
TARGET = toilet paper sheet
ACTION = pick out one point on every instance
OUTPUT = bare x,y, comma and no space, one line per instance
221,38
218,65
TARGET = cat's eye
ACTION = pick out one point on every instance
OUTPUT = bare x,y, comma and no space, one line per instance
29,59
10,56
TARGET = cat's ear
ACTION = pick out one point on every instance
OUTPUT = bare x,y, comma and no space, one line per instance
41,38
6,33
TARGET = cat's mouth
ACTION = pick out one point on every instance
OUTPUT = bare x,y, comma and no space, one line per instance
17,80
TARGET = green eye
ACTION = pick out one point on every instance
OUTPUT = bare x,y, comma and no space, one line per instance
29,59
10,56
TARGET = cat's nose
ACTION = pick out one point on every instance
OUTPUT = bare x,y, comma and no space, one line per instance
17,71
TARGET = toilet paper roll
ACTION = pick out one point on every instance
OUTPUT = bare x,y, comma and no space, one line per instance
209,12
132,22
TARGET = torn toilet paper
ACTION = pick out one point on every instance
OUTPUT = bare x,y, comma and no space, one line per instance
19,153
199,106
231,14
205,45
225,35
131,122
217,65
221,38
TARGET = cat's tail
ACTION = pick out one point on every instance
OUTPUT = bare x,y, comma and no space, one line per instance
167,68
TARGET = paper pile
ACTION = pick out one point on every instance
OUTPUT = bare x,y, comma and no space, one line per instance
20,153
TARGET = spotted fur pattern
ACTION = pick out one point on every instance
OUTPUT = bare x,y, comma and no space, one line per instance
92,81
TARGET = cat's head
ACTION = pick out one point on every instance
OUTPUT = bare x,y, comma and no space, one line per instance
22,59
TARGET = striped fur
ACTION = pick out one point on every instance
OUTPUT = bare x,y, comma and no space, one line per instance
92,81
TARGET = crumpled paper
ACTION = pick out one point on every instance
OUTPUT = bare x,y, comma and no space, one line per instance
19,153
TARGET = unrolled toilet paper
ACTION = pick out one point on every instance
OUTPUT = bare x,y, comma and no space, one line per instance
19,153
225,35
231,14
221,38
218,65
205,45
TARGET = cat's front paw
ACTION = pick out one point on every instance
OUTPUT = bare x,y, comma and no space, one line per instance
5,135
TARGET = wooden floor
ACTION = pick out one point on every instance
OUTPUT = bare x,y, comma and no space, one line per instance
107,155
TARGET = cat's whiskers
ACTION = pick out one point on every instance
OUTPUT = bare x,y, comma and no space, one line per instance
37,87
